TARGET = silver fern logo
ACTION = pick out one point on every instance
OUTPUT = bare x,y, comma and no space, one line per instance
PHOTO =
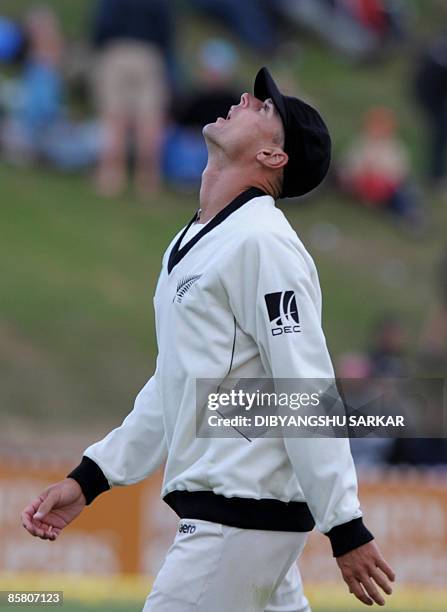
184,285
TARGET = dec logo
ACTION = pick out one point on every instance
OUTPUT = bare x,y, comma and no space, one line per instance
283,312
287,329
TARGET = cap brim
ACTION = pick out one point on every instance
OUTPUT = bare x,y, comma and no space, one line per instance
265,87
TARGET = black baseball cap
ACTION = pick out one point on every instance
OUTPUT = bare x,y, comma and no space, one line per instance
307,140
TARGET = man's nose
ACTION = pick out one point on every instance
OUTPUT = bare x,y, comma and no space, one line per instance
245,99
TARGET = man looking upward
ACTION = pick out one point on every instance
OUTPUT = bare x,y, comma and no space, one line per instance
231,282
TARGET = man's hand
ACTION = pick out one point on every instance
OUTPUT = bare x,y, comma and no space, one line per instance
363,568
54,509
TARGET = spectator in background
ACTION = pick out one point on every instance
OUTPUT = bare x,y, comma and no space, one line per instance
134,43
419,451
376,171
357,29
186,154
432,362
387,355
354,371
253,21
430,87
12,46
361,381
12,40
36,125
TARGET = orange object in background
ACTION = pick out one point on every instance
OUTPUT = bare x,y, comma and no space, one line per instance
129,529
407,512
124,531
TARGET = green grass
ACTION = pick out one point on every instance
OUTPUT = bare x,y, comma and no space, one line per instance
76,317
76,301
124,607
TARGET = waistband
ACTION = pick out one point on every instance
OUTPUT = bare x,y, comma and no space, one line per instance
244,513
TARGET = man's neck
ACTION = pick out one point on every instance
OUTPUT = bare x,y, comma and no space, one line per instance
221,184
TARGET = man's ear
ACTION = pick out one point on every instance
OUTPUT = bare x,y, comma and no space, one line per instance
272,158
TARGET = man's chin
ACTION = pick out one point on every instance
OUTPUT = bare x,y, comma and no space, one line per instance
211,130
210,126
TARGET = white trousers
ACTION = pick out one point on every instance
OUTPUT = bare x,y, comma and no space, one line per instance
215,568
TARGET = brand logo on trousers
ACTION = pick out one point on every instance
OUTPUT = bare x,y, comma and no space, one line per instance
186,528
283,312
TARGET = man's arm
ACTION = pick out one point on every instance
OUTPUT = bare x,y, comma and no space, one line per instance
273,270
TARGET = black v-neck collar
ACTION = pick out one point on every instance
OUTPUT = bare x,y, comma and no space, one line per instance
178,253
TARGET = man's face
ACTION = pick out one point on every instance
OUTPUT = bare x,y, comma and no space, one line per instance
249,127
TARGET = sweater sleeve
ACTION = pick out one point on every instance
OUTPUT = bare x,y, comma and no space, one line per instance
276,299
129,453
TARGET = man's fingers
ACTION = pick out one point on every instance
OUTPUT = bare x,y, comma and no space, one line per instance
30,529
26,519
356,589
42,531
33,516
46,505
30,510
52,533
36,531
28,522
35,526
386,569
372,590
367,574
39,529
382,581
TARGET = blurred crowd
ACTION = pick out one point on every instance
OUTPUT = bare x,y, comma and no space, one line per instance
137,118
142,109
382,372
122,104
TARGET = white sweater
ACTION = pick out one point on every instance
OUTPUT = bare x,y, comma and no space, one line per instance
212,321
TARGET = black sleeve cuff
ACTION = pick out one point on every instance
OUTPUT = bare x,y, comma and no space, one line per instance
90,478
348,536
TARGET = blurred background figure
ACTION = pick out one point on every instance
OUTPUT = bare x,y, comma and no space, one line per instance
12,40
430,87
418,451
37,126
134,42
213,94
360,375
252,21
388,348
357,29
354,371
431,362
376,171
